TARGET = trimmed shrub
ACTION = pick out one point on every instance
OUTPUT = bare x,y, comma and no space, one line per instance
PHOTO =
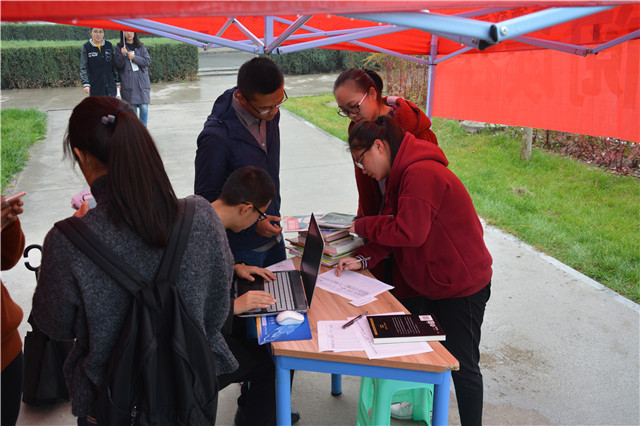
49,64
318,61
57,32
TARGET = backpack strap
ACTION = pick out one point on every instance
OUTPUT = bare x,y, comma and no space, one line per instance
170,264
86,240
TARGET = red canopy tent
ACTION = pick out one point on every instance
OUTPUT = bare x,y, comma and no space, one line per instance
562,65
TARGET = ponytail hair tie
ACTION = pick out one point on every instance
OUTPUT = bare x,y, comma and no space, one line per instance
110,119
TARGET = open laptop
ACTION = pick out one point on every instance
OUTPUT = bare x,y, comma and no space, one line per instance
293,290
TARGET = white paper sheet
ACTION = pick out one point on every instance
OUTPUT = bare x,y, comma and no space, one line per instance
351,285
285,265
332,337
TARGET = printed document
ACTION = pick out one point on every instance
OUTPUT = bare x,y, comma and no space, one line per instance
351,285
285,265
332,337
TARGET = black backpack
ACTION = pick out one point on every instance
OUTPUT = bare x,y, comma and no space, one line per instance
162,369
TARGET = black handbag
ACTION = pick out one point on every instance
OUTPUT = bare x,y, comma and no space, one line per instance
43,360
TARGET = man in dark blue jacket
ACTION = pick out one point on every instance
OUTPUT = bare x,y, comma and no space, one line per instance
242,130
97,66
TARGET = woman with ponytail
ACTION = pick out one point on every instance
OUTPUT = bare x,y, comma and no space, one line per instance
135,213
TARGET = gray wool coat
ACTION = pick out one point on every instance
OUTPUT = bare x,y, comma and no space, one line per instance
135,85
75,299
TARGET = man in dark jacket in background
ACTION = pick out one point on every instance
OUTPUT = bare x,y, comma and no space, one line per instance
97,66
242,130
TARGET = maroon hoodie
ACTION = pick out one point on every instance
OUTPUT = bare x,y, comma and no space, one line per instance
429,223
411,119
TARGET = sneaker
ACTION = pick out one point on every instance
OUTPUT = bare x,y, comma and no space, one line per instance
402,410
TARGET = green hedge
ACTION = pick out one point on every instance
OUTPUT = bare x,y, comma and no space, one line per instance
319,61
52,32
57,64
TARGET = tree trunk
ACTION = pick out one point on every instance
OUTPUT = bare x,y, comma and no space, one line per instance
525,148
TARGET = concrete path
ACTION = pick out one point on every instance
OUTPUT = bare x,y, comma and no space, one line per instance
557,347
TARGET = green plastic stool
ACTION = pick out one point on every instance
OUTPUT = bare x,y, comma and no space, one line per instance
376,396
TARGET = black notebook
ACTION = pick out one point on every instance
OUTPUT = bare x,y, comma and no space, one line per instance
404,328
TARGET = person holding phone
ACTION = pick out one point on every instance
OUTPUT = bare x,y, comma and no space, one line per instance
12,358
429,223
243,130
135,212
132,61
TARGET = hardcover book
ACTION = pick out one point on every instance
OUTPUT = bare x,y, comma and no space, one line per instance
336,220
328,234
404,328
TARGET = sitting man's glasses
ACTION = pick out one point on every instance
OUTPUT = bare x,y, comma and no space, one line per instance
262,216
352,110
358,161
267,110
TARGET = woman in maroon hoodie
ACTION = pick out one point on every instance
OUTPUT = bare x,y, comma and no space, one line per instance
359,96
430,225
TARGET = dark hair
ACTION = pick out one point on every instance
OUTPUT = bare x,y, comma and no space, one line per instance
248,184
259,75
138,189
363,79
384,128
136,40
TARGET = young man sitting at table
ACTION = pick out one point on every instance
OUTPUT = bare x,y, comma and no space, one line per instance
244,198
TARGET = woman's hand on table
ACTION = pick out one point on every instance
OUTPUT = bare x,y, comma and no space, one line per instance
348,264
252,300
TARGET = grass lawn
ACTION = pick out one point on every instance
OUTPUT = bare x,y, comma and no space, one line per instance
587,218
20,128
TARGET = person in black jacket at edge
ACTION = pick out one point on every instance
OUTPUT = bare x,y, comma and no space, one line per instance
97,66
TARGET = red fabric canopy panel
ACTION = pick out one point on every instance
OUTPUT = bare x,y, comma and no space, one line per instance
510,83
597,95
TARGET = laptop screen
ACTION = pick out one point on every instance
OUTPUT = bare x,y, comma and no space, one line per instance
311,258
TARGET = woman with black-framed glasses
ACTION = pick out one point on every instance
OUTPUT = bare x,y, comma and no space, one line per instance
430,226
359,96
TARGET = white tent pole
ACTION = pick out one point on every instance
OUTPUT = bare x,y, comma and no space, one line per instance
433,55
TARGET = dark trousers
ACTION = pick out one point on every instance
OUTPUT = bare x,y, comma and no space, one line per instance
12,390
461,319
258,396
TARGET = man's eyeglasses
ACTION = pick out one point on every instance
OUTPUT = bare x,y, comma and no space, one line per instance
353,110
262,216
267,110
358,161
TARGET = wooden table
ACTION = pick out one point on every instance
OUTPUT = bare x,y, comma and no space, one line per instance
432,367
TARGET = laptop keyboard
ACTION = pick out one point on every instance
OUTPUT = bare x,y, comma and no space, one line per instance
281,290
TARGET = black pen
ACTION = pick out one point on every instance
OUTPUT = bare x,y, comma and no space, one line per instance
350,323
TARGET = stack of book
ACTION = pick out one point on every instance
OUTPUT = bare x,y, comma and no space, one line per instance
338,243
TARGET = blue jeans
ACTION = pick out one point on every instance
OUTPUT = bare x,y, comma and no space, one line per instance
144,112
263,259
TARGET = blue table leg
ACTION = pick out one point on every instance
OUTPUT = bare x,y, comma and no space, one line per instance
283,394
336,384
441,400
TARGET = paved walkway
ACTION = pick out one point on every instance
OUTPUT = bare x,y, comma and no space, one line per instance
557,347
